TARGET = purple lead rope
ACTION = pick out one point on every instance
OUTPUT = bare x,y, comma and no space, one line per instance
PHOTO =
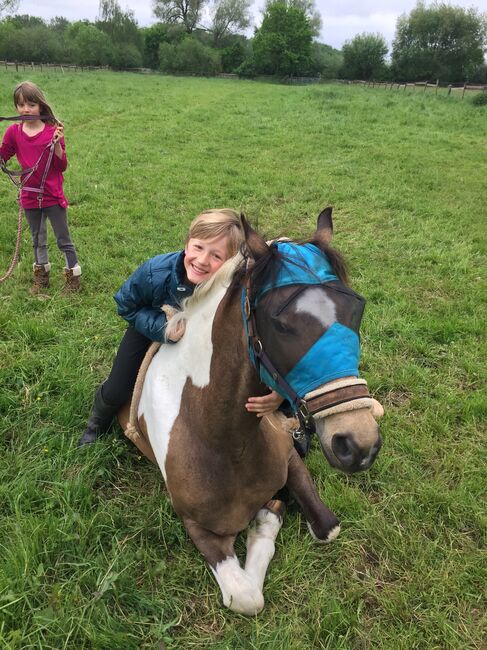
25,118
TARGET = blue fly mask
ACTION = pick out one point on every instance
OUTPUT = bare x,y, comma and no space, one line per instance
307,303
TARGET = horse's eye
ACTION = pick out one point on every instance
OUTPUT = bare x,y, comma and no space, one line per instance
282,327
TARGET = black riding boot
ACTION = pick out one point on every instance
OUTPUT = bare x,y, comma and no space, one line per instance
100,419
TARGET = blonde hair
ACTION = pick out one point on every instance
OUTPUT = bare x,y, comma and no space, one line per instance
29,92
222,278
217,223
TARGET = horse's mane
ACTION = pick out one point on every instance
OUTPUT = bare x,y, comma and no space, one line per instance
223,277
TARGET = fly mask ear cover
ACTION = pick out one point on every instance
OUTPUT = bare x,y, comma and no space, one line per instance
336,353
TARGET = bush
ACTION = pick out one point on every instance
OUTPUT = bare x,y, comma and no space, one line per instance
125,56
189,56
480,99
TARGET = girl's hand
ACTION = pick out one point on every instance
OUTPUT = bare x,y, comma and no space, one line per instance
58,133
265,404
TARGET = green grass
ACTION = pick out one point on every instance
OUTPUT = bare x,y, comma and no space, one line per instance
91,554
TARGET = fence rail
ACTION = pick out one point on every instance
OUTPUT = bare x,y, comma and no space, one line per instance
388,85
61,67
422,85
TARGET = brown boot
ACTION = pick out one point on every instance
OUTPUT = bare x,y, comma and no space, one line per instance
41,278
72,280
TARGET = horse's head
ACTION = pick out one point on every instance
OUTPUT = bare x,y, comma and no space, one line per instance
303,323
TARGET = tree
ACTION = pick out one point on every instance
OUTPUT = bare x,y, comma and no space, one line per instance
439,42
58,24
88,45
229,16
364,57
326,60
8,6
310,11
189,56
282,45
187,12
120,26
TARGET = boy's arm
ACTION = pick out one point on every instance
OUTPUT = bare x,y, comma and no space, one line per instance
134,304
264,404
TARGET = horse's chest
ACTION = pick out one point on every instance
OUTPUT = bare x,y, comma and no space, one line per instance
186,363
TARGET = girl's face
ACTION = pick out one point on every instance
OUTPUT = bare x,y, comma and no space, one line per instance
203,257
25,107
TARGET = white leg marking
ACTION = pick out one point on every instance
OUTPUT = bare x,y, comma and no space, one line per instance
240,593
333,534
260,544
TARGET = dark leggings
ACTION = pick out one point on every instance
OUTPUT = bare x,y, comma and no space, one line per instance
119,385
37,218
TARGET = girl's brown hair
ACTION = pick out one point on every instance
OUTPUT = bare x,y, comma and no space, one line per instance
28,92
216,223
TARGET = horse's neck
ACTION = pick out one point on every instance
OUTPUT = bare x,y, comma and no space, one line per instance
208,372
233,379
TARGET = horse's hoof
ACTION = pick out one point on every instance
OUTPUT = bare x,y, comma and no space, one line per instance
249,602
328,537
240,592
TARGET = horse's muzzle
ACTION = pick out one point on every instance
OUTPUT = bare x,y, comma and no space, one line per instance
349,456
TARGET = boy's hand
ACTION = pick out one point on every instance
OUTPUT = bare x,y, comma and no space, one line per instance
178,332
265,404
180,327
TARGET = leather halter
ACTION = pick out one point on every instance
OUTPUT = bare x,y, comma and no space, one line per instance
25,118
324,400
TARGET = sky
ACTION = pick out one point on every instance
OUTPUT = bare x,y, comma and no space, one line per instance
341,19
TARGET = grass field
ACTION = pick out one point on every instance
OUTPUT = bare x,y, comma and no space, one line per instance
91,553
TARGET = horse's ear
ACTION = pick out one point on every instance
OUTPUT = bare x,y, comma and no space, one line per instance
254,243
324,227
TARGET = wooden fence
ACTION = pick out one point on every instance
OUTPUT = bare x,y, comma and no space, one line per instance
61,67
423,86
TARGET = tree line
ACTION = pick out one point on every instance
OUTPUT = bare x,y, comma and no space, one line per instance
432,42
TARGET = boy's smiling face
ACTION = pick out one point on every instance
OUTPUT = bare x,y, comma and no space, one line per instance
203,257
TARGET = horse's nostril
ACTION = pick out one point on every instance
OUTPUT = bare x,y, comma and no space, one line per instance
344,448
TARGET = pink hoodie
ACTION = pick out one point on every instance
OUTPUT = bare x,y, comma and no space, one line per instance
28,149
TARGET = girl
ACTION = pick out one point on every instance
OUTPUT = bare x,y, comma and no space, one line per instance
214,236
38,143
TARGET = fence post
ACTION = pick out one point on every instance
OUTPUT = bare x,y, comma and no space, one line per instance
449,89
464,87
437,84
16,66
425,86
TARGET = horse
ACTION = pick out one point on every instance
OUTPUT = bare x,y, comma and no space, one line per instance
277,316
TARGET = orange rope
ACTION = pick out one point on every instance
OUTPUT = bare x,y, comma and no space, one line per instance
15,257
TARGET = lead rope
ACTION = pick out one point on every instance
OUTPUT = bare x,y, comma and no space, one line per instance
15,257
20,186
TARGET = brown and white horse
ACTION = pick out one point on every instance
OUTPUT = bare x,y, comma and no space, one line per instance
221,464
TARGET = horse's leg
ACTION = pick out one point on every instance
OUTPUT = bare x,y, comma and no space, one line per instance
260,540
322,522
239,590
